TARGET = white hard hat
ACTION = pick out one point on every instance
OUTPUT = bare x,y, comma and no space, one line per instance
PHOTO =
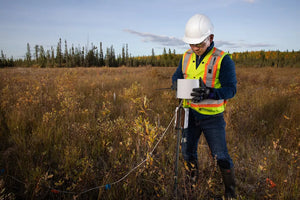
197,29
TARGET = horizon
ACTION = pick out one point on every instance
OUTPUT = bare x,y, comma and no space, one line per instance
32,50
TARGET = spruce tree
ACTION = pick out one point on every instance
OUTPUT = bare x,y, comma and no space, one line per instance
3,62
72,56
123,57
153,58
127,56
59,54
52,57
42,57
28,55
36,53
66,55
101,56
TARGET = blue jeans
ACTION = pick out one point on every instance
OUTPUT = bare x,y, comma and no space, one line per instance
213,129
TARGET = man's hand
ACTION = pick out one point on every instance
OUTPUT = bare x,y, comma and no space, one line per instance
200,94
174,85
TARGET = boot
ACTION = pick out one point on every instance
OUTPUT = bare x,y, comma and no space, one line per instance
229,182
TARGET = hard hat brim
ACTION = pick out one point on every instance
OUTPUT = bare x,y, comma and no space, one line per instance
194,40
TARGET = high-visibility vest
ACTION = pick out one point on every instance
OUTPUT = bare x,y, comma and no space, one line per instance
208,70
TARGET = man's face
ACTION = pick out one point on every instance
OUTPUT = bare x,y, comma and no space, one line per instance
200,48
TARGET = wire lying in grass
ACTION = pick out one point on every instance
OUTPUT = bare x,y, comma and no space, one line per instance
108,186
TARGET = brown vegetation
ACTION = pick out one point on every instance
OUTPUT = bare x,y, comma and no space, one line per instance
67,133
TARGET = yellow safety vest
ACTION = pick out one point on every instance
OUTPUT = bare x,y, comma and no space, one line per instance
208,70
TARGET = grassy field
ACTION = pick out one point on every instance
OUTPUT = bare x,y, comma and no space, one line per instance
75,133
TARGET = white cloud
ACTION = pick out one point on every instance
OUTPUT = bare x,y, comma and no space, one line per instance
159,39
167,41
242,45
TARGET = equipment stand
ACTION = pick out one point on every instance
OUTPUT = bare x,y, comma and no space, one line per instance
179,126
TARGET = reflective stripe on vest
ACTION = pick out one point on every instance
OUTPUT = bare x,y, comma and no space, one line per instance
210,76
211,68
186,62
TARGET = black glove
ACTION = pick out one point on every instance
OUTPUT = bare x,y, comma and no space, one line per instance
201,93
174,86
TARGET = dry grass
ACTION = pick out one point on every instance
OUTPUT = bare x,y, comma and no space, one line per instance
76,129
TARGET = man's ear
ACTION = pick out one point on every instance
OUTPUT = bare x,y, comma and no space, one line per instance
211,38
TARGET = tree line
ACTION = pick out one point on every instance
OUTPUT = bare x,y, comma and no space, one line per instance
84,57
267,59
96,57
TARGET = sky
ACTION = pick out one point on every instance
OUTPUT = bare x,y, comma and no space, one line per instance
239,25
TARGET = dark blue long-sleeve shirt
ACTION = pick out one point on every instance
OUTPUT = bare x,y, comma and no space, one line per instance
227,77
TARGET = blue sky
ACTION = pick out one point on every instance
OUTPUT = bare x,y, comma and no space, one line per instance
240,25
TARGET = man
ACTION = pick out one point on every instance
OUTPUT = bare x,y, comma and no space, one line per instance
216,72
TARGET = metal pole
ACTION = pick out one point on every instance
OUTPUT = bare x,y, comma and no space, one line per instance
179,128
